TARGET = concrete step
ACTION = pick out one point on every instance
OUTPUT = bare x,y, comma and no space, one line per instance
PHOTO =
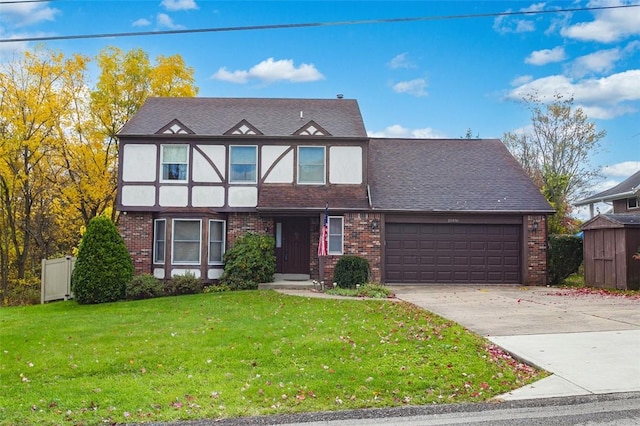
288,285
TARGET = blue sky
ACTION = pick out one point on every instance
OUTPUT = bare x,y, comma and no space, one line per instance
428,78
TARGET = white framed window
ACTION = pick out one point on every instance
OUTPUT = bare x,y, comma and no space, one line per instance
159,240
216,241
336,234
175,163
243,162
185,240
633,203
311,164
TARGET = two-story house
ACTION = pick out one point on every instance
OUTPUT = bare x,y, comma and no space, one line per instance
195,173
623,198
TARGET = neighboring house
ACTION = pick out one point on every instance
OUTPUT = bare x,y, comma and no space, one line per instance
624,197
196,173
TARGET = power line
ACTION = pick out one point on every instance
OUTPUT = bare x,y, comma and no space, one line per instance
311,24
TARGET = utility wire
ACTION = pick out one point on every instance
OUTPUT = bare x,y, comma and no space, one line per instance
312,24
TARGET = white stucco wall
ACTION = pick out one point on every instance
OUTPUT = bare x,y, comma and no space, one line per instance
282,171
174,196
207,196
243,196
202,170
139,163
345,165
138,195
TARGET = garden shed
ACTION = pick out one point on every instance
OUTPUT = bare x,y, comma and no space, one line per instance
610,241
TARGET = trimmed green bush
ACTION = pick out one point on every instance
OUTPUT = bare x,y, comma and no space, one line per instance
565,257
350,271
103,265
184,284
250,262
144,286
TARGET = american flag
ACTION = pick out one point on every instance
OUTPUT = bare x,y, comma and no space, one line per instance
324,232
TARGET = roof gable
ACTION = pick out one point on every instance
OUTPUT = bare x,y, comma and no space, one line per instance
175,127
443,175
629,187
273,117
243,128
312,129
601,221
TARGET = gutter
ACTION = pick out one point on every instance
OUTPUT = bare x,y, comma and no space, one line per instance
632,193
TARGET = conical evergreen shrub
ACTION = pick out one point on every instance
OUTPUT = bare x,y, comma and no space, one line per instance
103,265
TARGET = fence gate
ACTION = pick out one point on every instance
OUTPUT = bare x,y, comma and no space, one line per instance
56,278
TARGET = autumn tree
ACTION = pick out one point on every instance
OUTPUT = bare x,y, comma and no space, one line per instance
555,153
35,97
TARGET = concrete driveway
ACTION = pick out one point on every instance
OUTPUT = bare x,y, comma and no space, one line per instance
591,343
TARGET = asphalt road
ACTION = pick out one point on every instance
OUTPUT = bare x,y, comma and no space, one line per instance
619,409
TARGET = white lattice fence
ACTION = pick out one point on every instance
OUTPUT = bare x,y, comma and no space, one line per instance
56,278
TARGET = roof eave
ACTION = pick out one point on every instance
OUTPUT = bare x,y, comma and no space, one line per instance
606,198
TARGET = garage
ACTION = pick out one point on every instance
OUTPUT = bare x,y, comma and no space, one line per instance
443,253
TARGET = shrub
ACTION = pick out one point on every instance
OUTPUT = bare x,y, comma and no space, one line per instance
184,284
250,262
216,288
350,271
376,291
23,292
565,257
144,286
103,266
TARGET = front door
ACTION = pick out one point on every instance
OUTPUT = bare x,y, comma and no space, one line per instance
292,245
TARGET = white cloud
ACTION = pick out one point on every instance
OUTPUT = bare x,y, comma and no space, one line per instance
603,97
416,87
624,169
174,5
608,26
599,62
397,131
508,24
546,56
165,20
142,22
401,61
521,79
270,71
28,13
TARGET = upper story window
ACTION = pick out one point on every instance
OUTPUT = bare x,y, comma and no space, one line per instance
311,164
175,162
632,203
242,164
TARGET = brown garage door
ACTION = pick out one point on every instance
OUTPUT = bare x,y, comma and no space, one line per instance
452,253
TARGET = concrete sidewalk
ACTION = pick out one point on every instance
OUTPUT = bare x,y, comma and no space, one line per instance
591,343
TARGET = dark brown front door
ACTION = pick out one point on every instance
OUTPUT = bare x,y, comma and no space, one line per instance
292,245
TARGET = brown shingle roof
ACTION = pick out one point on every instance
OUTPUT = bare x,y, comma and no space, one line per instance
303,197
476,175
272,117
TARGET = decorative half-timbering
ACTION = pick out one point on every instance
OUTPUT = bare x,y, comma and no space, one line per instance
196,173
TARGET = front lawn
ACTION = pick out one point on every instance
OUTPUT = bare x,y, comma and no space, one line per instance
236,354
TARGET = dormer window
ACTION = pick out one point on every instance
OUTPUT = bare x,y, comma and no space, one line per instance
632,203
175,163
311,164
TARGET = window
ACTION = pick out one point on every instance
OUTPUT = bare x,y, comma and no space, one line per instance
216,241
159,239
186,241
632,203
311,164
175,161
336,232
243,160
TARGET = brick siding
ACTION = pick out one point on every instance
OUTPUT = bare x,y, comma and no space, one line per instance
536,253
137,231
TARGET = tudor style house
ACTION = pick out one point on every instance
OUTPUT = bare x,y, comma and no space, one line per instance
196,173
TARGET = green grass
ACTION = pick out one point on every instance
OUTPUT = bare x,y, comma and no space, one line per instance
236,354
